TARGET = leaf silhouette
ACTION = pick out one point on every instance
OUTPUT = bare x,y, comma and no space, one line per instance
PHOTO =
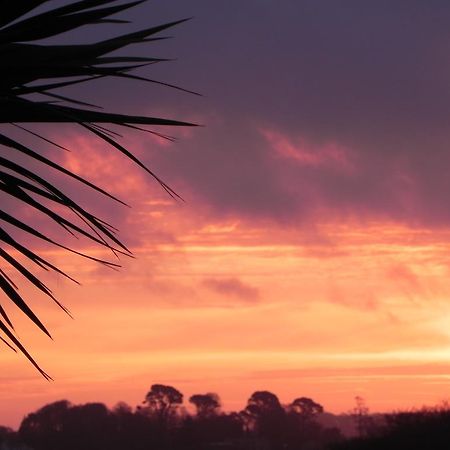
39,69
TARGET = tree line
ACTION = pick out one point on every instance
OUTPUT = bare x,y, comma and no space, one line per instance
162,422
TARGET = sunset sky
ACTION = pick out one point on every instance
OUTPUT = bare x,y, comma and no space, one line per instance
311,256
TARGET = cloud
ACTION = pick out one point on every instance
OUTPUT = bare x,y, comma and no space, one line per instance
407,278
353,103
360,298
302,154
232,287
354,99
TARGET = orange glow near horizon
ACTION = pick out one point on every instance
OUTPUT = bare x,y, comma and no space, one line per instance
331,313
328,309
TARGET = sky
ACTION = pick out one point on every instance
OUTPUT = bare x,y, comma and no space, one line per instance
311,254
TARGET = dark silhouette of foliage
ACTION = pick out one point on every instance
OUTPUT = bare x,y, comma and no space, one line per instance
209,425
306,408
265,417
262,404
162,401
10,440
31,72
161,406
133,430
94,427
45,427
364,422
206,405
428,428
62,425
301,427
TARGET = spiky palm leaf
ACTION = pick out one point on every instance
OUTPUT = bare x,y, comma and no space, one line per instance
24,64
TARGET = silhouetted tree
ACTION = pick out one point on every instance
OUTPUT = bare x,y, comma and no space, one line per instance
162,424
133,431
162,401
62,425
306,408
90,426
10,440
302,429
45,427
263,402
362,417
161,406
425,429
206,405
264,416
209,426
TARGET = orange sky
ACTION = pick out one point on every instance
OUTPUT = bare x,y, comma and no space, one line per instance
312,254
329,311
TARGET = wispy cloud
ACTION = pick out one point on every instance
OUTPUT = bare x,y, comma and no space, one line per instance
232,287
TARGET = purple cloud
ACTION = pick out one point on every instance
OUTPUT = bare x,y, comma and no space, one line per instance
233,287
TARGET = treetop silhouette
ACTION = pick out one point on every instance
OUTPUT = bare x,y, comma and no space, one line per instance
162,401
206,405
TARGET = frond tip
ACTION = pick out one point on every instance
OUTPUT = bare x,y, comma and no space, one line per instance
36,69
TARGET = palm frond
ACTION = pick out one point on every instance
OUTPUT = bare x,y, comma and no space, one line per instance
31,68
